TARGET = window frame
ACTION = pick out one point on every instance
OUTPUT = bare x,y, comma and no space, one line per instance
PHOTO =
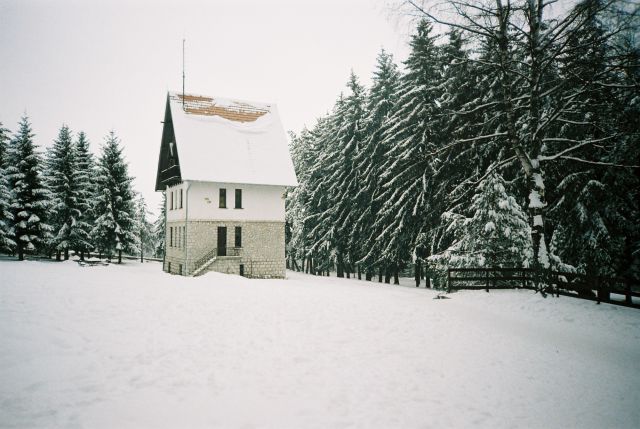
237,241
222,198
238,201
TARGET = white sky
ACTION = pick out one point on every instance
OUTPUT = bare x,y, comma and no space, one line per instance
102,65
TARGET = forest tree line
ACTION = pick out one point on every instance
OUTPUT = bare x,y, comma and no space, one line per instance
67,201
511,139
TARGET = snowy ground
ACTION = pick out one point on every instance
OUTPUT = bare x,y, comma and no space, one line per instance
129,346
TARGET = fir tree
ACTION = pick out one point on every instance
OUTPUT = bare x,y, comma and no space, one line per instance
70,231
410,133
159,232
371,159
145,229
6,243
30,198
85,189
497,233
114,229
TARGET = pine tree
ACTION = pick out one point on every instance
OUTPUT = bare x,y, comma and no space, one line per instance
497,233
70,231
6,243
114,229
30,198
85,188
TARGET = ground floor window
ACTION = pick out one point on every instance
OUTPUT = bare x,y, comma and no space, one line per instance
238,242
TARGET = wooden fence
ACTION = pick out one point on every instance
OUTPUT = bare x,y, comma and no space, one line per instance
611,290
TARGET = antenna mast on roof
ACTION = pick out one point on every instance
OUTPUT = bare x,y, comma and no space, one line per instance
183,40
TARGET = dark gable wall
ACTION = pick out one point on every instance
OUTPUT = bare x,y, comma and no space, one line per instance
168,169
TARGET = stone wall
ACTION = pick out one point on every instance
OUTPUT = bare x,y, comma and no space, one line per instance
262,252
174,261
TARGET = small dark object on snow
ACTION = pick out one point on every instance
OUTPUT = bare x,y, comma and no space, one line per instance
441,296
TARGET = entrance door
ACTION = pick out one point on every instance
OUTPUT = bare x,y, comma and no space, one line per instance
222,241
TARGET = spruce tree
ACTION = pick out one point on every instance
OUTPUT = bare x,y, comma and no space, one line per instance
145,229
159,231
114,229
497,233
29,198
410,133
371,159
6,243
67,200
85,189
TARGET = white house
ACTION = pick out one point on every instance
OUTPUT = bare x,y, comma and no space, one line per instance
224,166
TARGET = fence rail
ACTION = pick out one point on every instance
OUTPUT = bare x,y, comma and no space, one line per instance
613,290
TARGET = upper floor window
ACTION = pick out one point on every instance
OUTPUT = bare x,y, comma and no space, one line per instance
223,198
238,198
180,198
171,200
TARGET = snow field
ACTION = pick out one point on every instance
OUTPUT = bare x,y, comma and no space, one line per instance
130,346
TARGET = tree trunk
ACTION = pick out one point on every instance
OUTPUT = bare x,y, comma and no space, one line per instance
82,255
387,275
380,274
66,254
368,274
417,270
119,256
339,267
359,273
20,252
58,255
396,279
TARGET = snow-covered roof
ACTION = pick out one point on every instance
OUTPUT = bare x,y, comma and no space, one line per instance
230,141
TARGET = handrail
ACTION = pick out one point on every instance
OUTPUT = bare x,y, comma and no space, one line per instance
212,254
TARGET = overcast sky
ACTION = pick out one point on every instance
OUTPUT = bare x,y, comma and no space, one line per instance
101,65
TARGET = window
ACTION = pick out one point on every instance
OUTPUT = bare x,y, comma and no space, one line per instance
170,236
171,200
184,236
238,198
180,198
178,231
180,269
238,236
223,198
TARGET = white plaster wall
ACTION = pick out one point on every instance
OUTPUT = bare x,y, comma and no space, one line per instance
259,202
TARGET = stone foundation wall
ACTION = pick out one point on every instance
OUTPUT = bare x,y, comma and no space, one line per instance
174,260
261,254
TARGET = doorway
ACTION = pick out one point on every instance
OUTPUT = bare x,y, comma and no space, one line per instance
222,241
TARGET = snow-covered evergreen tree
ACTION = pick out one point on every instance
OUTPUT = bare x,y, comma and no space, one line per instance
371,159
410,133
145,229
29,196
159,232
70,231
85,190
114,229
6,242
496,234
